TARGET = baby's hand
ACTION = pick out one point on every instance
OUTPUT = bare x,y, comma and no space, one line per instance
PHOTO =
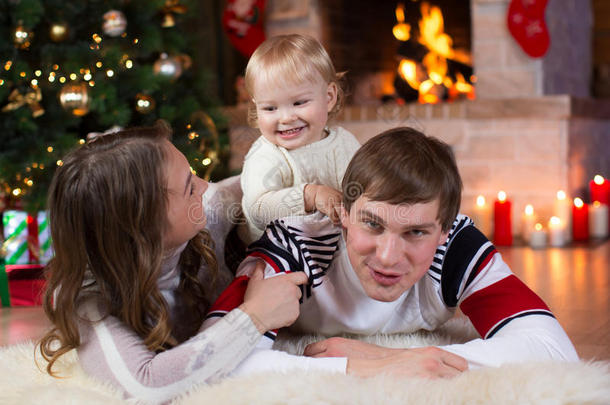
325,199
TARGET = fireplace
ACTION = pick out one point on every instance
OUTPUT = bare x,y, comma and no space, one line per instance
533,128
393,49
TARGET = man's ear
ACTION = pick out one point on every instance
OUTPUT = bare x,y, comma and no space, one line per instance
331,93
443,238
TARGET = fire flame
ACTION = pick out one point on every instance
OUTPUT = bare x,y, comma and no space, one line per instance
430,84
431,28
401,31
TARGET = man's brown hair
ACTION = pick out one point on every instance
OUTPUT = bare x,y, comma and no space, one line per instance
404,166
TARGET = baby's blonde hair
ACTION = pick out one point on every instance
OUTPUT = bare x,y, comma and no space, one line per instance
296,58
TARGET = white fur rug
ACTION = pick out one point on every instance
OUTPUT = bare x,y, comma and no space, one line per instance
21,382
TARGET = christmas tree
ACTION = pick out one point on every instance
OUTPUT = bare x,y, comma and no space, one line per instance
70,68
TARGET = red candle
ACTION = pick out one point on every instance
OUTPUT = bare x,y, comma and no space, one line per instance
600,190
580,220
503,234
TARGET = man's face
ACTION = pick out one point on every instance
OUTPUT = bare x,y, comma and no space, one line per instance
391,247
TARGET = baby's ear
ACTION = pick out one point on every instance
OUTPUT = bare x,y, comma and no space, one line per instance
343,215
331,92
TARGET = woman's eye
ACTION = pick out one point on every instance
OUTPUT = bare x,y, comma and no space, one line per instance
192,188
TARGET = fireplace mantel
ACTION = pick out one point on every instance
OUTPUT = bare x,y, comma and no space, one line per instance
529,147
542,107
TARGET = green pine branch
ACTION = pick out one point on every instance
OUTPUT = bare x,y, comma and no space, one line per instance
115,70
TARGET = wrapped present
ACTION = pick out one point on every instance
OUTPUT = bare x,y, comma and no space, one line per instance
21,284
44,238
26,238
25,249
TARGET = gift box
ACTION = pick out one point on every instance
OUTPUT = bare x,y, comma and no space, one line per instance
26,238
21,284
25,249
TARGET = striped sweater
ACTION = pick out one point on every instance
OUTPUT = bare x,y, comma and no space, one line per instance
466,272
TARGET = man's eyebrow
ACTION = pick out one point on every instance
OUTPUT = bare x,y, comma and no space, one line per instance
364,213
188,181
369,215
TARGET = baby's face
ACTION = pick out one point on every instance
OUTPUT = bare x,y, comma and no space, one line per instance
291,114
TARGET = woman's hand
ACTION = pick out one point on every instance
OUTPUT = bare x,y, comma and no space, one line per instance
325,199
366,360
274,302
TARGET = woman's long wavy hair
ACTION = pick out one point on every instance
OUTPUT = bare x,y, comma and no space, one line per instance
108,207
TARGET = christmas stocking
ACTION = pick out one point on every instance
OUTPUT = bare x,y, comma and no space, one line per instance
526,24
243,22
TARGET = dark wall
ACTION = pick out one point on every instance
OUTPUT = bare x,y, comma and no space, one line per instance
601,48
216,53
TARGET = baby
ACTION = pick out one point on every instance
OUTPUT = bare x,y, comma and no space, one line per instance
297,164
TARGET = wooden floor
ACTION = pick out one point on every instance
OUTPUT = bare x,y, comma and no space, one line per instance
574,282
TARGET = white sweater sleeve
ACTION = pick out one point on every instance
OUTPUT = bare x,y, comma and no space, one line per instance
349,147
531,338
266,360
267,183
113,352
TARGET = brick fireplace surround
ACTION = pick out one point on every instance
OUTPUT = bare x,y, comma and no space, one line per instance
533,128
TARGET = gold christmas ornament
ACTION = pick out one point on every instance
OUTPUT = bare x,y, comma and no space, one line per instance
115,23
209,151
185,61
58,31
168,21
144,103
31,98
171,7
168,66
74,97
22,38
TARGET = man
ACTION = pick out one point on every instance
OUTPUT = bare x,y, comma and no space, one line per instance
404,260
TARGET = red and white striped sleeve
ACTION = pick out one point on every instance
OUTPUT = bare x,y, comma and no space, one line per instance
514,322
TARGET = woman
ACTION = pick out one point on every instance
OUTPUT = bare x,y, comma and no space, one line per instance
134,270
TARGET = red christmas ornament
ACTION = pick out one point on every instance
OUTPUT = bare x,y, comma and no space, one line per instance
243,22
527,25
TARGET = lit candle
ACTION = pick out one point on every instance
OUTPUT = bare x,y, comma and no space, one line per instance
600,190
538,237
503,234
557,236
563,210
527,222
481,215
598,220
580,220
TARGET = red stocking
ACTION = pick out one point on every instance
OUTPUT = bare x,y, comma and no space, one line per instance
526,24
243,23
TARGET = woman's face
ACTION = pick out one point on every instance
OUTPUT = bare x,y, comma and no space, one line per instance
185,190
